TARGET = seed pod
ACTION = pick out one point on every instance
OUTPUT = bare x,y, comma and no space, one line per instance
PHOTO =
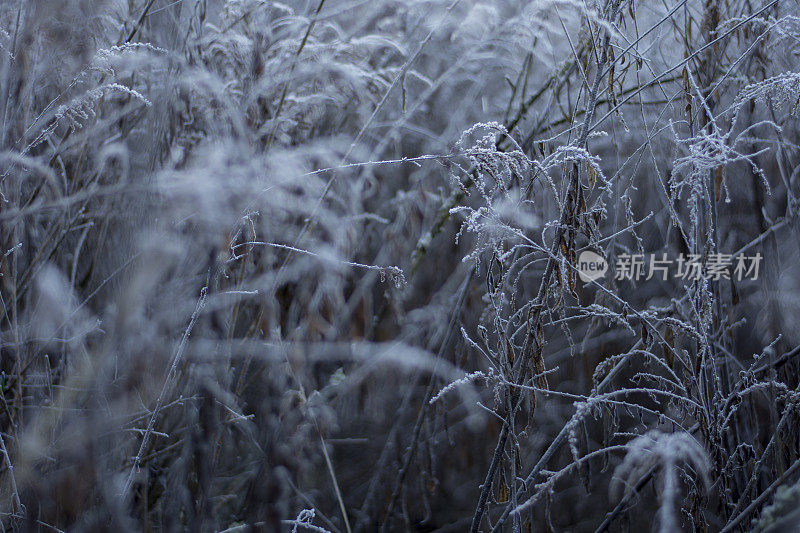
502,492
538,370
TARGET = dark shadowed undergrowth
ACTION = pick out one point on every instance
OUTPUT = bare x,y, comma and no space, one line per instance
316,265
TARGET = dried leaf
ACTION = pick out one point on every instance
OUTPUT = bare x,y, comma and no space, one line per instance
734,293
669,348
719,176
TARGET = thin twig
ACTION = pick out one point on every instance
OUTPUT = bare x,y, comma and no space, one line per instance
201,302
